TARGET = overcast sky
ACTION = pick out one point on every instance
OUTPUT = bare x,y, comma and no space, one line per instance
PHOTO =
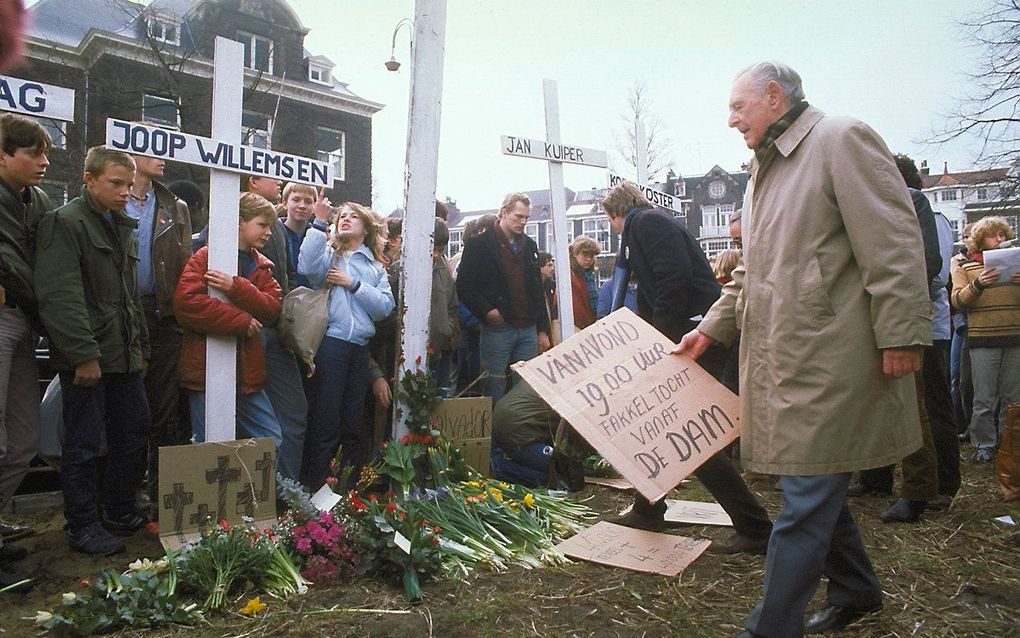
898,65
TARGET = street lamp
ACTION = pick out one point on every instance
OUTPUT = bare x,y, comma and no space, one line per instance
392,64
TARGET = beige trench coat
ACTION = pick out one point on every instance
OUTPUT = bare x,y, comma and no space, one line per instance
833,271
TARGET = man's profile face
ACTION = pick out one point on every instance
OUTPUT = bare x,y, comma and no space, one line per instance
266,187
735,235
616,223
150,167
513,221
751,110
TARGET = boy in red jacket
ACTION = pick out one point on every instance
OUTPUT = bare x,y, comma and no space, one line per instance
254,301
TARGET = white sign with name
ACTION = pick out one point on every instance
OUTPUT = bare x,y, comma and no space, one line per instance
142,139
540,149
36,99
656,197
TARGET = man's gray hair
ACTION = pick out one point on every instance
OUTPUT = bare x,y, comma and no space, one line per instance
789,80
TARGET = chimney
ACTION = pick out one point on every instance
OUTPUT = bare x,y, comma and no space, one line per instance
924,167
945,168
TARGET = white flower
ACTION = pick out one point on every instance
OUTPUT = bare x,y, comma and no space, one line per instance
70,597
142,564
42,616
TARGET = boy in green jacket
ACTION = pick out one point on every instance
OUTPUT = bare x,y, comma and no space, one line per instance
86,281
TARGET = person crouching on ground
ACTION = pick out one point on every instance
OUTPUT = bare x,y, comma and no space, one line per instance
252,301
359,295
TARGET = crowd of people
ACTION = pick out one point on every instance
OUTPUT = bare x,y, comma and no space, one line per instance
838,291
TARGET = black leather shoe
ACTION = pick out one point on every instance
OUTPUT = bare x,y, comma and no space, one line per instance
834,618
860,489
12,553
649,522
740,544
903,511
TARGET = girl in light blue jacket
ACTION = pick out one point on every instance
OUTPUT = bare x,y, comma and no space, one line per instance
359,296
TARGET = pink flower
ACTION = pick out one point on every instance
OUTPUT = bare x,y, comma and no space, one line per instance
303,545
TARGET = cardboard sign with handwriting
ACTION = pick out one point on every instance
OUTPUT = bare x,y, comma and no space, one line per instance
467,423
693,513
204,483
656,417
629,548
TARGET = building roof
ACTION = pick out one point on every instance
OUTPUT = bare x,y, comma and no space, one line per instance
67,22
987,176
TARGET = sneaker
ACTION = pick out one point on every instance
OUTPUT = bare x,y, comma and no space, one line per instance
126,524
93,539
740,544
13,580
984,455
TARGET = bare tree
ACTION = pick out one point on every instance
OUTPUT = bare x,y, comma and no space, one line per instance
657,144
991,111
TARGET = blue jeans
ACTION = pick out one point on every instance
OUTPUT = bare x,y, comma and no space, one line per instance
336,403
814,535
527,466
501,346
961,385
255,418
114,409
286,393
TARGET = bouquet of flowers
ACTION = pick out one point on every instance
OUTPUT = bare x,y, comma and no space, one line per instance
326,545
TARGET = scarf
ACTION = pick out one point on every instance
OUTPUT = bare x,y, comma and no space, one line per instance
766,152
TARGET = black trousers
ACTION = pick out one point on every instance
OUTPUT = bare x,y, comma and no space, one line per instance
162,390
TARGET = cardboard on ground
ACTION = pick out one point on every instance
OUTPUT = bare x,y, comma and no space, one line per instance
467,423
204,483
656,417
694,513
619,546
612,483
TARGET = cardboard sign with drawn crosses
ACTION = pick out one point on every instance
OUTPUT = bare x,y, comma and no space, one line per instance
204,483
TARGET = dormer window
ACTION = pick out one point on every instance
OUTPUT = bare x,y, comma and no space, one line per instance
319,74
258,51
320,70
164,27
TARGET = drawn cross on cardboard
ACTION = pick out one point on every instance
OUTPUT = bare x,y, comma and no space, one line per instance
177,501
222,475
244,504
265,465
201,517
556,154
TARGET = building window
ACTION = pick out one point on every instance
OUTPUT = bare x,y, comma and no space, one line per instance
331,145
320,74
258,51
713,247
531,230
161,111
934,196
716,190
163,27
982,193
256,129
597,229
725,212
56,129
949,196
454,246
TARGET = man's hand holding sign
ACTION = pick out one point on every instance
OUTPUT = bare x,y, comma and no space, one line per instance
654,416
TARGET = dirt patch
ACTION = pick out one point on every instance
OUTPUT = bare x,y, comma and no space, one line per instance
957,573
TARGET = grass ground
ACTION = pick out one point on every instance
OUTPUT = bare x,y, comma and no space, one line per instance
957,573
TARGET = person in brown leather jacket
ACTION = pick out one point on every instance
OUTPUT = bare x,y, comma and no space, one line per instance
164,246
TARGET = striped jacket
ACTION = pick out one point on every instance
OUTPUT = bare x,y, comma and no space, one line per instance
993,312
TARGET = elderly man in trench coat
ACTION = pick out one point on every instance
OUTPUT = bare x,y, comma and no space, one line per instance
833,309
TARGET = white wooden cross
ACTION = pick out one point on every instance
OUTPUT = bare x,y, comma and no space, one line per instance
556,154
226,158
425,107
655,196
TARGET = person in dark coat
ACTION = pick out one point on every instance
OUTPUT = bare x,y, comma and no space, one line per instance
677,285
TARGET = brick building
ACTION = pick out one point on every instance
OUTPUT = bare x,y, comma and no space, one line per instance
153,63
